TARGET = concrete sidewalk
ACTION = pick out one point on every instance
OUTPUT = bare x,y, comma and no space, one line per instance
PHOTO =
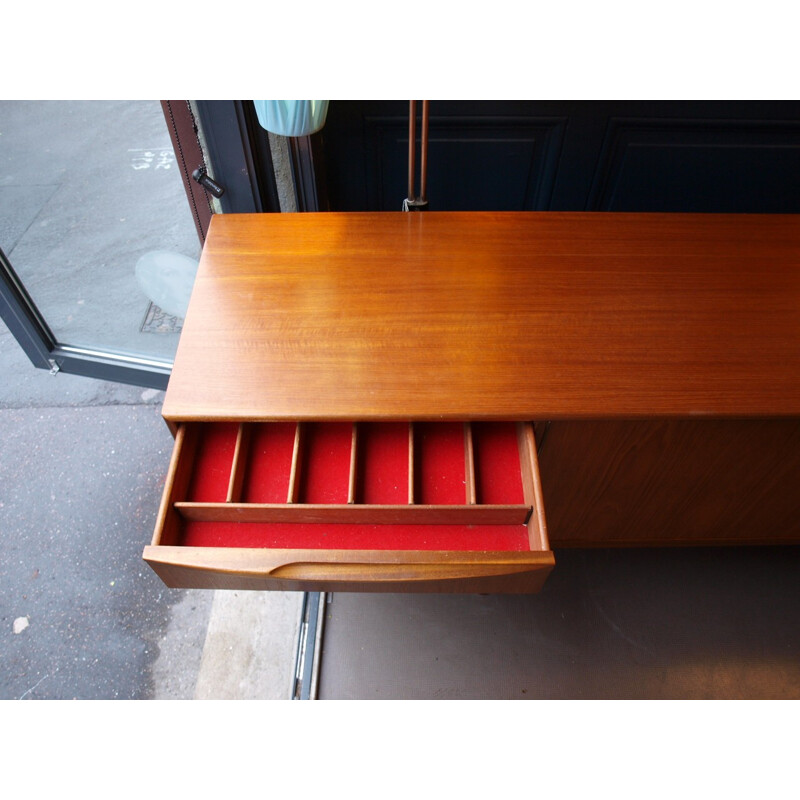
82,466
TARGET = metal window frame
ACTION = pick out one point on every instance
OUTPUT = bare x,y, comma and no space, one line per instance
308,652
308,172
241,158
29,328
239,154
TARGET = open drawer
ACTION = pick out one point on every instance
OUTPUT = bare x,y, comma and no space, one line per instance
365,506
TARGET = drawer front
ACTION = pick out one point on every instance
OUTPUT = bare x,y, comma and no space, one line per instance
353,507
349,570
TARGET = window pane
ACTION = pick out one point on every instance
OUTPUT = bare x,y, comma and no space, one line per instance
88,190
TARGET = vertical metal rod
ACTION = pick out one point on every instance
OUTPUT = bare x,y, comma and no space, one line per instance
423,164
324,599
307,656
412,146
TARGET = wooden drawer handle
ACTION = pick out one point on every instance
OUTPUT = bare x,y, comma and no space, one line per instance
383,573
341,570
341,565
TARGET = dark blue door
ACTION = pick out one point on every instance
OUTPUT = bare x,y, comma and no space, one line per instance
732,156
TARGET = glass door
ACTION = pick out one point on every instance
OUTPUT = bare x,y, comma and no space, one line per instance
94,219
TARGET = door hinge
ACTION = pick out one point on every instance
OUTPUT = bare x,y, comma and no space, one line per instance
55,368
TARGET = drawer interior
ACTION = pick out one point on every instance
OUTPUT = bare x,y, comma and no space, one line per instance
356,536
448,486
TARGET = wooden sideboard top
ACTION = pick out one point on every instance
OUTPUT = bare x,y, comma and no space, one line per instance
491,315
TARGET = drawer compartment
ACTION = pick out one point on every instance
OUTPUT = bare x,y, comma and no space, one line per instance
373,506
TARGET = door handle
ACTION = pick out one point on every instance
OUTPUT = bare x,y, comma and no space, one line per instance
207,182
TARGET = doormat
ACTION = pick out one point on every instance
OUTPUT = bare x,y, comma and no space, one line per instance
156,320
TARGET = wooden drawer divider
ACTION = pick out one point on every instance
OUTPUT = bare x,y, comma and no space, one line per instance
350,510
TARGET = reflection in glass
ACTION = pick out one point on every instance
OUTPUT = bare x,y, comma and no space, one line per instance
87,189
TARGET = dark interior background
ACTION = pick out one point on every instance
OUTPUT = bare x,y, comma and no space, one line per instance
732,156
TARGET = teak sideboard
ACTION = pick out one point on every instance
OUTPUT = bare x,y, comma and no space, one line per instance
434,401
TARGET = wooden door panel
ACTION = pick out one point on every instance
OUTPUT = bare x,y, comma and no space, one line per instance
671,482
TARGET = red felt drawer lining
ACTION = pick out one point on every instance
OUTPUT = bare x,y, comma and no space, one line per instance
382,463
381,478
498,477
439,464
268,464
211,469
356,537
325,465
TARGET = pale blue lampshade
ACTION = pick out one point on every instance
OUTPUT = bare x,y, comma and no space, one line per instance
291,117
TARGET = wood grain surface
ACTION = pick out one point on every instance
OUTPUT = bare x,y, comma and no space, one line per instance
678,482
492,315
349,570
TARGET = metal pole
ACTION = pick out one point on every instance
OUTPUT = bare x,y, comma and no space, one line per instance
412,147
424,155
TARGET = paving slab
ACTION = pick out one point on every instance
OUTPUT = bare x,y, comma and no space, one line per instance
250,647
